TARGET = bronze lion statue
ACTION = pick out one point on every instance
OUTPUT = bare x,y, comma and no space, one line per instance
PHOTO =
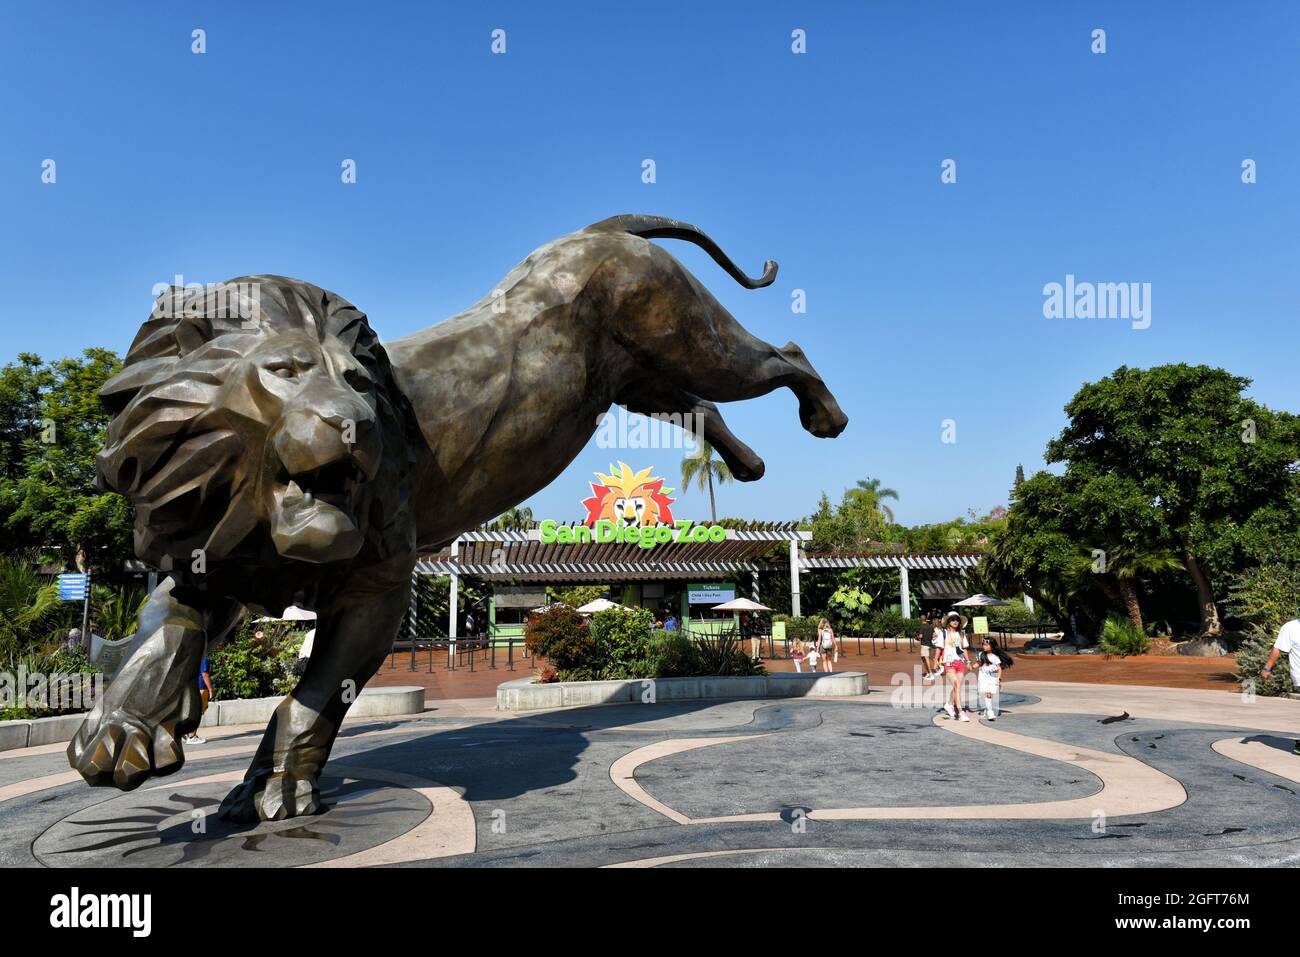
276,453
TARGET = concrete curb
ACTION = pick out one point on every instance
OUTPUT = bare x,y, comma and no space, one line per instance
383,702
371,703
525,694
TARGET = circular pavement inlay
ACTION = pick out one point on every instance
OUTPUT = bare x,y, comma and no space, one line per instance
177,825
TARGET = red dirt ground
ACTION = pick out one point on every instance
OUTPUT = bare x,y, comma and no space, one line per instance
1214,674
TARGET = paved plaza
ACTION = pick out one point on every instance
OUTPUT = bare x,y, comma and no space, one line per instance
1189,778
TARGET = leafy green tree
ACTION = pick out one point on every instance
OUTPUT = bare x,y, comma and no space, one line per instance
702,470
53,430
1217,470
1035,551
854,525
849,606
575,596
21,384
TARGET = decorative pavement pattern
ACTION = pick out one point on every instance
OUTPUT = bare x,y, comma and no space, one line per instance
1069,774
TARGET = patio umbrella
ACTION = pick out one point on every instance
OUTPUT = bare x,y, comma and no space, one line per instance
740,604
600,604
292,613
979,601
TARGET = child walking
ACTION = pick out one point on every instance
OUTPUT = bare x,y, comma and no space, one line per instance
993,660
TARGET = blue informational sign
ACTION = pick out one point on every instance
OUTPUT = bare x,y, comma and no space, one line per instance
73,587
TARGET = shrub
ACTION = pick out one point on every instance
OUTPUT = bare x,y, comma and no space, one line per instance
64,669
803,628
257,663
725,654
1014,612
673,655
887,623
1266,596
29,605
1251,658
622,642
560,635
1119,636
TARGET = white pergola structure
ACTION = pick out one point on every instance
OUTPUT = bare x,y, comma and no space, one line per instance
959,562
520,556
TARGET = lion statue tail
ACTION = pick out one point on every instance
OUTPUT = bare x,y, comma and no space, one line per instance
660,227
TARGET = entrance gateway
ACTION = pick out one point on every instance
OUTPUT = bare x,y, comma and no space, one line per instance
520,565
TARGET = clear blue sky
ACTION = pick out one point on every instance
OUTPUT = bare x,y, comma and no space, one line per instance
924,299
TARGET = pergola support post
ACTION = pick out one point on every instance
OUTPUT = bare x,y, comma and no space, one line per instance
794,578
905,591
452,595
413,612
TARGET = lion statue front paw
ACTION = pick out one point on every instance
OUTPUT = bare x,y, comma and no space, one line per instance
122,750
274,797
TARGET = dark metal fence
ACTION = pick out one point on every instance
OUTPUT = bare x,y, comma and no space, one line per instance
470,653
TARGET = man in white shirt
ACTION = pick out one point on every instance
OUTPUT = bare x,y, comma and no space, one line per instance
1288,643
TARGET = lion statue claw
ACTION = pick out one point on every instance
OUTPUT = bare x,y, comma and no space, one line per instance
276,453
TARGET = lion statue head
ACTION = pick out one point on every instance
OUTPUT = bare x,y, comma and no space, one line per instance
259,417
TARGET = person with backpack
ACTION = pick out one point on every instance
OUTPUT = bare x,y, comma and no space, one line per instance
828,646
993,660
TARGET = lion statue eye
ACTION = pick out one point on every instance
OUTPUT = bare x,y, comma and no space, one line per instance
283,371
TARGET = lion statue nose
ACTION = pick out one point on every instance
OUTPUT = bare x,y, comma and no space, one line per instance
307,441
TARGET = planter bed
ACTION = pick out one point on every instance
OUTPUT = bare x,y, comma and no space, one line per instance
371,703
526,694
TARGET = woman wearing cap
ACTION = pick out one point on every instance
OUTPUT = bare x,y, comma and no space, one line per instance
956,661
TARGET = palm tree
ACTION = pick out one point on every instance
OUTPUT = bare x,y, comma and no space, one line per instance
702,469
1117,571
115,610
29,605
1130,564
868,493
515,518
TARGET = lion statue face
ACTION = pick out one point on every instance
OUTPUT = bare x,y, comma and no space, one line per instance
254,412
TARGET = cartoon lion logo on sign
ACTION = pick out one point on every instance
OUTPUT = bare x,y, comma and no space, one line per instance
632,498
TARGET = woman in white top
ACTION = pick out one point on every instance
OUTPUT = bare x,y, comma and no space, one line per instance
827,644
956,662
